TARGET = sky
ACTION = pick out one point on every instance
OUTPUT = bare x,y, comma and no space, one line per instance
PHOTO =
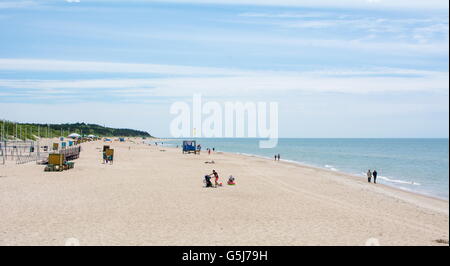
350,68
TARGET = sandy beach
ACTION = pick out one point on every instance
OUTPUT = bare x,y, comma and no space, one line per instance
155,196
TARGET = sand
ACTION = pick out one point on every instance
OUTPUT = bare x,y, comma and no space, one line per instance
155,197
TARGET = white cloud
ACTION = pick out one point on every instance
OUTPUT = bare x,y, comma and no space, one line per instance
110,67
238,85
180,81
284,15
73,1
415,32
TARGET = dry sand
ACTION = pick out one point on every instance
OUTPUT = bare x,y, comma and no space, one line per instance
154,197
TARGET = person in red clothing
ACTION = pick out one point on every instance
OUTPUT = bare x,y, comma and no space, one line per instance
216,178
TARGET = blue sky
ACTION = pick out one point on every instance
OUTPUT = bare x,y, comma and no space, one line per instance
350,68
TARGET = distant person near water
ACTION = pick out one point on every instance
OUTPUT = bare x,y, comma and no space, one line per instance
275,156
278,157
375,174
369,176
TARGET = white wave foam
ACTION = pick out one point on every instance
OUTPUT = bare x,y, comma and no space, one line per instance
398,181
331,167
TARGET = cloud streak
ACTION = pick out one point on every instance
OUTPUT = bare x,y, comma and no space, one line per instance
110,67
181,81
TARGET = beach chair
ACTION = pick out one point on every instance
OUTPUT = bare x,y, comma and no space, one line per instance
110,155
55,162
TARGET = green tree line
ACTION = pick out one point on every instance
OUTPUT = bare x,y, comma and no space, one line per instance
11,130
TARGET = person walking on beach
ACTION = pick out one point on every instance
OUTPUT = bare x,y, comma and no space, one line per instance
275,156
375,176
369,175
278,157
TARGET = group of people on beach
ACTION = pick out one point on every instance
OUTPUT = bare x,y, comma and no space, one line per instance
373,174
277,157
208,183
209,150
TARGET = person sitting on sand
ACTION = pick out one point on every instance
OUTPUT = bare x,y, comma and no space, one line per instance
374,174
216,178
369,175
231,180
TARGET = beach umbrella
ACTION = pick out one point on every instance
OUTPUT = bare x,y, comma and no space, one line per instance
74,135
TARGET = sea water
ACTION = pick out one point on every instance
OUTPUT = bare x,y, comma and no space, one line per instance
418,165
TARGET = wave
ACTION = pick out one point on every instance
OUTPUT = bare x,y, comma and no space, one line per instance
332,168
397,181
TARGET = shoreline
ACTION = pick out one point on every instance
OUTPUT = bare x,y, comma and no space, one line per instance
343,173
353,178
385,188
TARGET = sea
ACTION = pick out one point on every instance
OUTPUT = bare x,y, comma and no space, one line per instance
417,165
